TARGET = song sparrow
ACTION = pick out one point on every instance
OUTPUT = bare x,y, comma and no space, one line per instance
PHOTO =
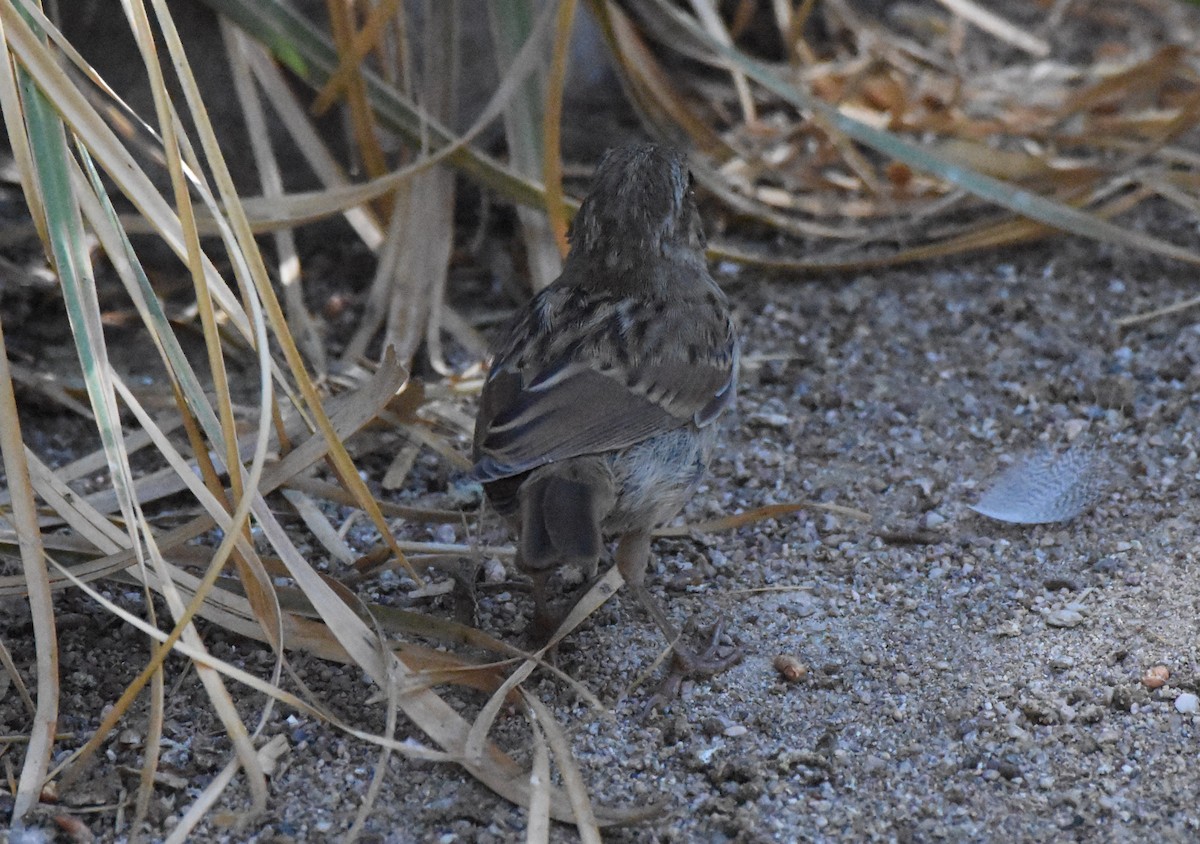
598,417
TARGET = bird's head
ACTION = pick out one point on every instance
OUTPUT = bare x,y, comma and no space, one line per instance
640,206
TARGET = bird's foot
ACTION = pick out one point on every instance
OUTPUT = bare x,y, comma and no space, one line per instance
687,663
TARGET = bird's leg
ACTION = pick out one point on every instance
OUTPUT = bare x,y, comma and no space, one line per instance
633,555
466,599
545,620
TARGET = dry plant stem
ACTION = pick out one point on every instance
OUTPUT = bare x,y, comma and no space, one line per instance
430,259
711,20
769,511
538,828
427,709
24,516
386,274
278,23
332,492
423,261
524,123
257,583
237,47
995,25
250,680
341,25
556,210
292,116
408,289
14,676
363,42
266,758
152,753
184,631
585,816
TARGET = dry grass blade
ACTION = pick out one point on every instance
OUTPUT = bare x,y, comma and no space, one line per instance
343,197
992,23
354,90
88,522
706,12
758,514
51,389
24,516
430,712
318,523
475,746
349,70
592,600
154,734
556,209
391,693
581,803
316,152
262,287
109,151
14,677
538,830
525,119
257,584
238,48
267,612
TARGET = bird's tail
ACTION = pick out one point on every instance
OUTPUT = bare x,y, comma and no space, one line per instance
562,507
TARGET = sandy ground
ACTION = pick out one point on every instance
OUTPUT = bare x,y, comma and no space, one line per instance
967,680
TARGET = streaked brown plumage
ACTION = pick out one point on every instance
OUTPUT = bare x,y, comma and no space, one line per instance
598,416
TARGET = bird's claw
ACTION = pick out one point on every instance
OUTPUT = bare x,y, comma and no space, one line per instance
686,663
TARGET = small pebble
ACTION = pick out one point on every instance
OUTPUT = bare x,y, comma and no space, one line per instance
1073,428
770,420
493,571
1187,704
1156,677
735,731
1064,618
790,668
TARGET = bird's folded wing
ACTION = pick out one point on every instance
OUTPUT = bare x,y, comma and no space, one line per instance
573,408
